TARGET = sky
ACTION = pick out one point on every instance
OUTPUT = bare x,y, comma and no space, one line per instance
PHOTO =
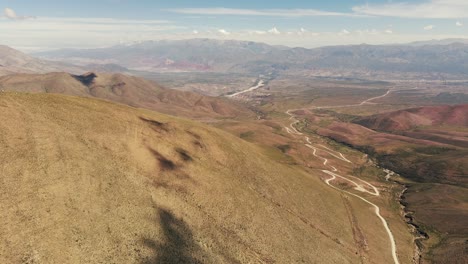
34,25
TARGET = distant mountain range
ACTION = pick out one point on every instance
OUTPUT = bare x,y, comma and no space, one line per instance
183,55
437,59
439,42
429,60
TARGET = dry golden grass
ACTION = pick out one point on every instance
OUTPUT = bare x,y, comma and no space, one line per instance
129,90
368,233
88,181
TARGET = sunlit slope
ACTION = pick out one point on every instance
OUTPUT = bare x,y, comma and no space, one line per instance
14,61
88,181
129,90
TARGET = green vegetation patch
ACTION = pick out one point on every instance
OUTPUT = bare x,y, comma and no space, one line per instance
339,116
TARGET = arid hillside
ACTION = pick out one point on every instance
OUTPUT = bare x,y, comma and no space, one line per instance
14,61
129,90
423,116
428,146
90,181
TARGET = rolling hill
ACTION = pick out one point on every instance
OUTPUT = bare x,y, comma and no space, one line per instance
90,181
428,146
129,90
423,116
14,61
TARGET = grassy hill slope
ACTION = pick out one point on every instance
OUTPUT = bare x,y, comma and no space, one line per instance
448,115
14,61
129,90
89,181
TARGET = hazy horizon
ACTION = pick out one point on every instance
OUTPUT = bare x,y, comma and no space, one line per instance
31,26
29,50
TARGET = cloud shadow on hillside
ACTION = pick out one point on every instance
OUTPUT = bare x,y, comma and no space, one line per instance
177,244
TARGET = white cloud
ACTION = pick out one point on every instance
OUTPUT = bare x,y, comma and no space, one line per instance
100,20
344,32
366,31
427,9
11,14
81,25
224,32
302,31
49,33
429,27
29,36
258,32
259,12
401,8
274,31
459,24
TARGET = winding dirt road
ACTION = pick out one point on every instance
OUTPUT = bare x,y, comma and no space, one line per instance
359,184
367,101
375,98
260,84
